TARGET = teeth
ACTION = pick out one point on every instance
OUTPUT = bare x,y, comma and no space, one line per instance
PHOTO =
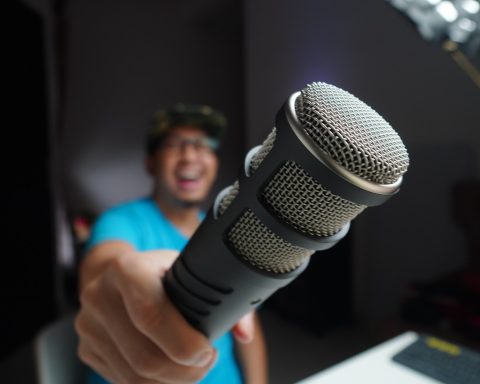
188,175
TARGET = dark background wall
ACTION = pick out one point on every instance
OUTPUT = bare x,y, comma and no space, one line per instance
368,49
124,60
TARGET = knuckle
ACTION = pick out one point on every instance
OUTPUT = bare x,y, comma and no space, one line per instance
145,314
190,347
195,375
147,366
83,354
83,329
184,351
89,294
120,266
78,325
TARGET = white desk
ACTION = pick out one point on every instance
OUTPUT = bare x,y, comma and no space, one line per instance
373,366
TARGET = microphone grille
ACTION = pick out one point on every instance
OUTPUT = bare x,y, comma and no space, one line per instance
267,146
232,193
255,162
351,133
262,248
305,204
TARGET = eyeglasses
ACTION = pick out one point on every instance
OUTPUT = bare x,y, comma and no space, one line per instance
200,144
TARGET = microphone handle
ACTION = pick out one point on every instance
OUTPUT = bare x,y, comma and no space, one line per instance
212,287
209,283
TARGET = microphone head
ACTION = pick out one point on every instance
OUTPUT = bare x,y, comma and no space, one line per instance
348,133
351,133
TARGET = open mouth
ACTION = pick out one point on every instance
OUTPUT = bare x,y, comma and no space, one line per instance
188,179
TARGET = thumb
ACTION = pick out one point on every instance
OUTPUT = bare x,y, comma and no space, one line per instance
244,330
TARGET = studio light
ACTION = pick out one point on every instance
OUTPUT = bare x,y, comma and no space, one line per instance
454,25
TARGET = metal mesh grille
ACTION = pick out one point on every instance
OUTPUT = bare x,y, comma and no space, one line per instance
255,162
263,151
302,202
263,249
228,198
351,133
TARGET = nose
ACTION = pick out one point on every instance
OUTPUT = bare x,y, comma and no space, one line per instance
188,151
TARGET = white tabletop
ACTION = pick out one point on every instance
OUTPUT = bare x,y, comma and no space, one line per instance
374,366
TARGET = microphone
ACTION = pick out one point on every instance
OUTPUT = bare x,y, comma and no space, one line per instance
328,157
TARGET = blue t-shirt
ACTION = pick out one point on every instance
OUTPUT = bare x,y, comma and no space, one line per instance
142,224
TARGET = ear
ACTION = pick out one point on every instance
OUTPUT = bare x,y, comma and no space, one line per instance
150,165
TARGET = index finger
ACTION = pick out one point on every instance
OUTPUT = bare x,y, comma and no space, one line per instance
154,315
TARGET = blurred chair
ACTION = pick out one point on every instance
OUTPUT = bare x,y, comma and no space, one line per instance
55,350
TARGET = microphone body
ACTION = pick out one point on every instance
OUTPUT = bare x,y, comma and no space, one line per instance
291,199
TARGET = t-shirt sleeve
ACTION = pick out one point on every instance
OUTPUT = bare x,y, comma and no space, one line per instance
113,225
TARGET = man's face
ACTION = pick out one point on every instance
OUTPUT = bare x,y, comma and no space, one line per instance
184,167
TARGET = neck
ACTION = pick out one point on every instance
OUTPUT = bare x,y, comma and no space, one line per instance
184,218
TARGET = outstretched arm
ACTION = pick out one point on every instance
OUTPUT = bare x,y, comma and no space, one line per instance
128,329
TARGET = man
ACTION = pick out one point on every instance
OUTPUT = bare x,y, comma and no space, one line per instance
129,331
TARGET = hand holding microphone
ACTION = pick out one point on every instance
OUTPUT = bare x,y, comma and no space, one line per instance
328,157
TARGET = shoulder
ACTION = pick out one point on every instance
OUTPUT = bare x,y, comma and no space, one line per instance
131,210
144,203
123,221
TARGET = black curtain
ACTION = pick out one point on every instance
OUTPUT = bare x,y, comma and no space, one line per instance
27,262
